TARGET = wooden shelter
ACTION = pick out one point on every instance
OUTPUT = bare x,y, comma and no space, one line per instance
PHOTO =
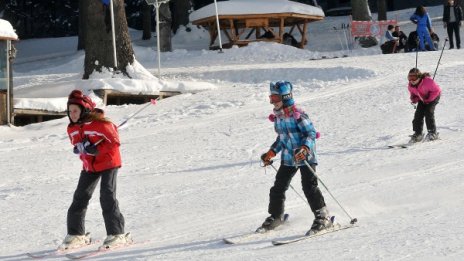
7,55
268,25
24,116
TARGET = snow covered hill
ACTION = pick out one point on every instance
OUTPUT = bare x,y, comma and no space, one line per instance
191,172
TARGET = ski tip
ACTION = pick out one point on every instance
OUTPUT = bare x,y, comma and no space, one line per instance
227,241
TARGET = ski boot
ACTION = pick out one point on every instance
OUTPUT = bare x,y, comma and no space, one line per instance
416,137
271,222
75,241
431,136
112,241
322,221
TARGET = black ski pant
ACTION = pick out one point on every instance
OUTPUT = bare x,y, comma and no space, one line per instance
282,182
453,27
114,220
427,111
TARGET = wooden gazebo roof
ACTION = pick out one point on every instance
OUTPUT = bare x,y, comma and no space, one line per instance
239,26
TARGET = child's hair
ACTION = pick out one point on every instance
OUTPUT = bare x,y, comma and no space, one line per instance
96,115
419,74
390,26
420,10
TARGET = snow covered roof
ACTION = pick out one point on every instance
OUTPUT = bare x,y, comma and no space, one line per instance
247,7
6,31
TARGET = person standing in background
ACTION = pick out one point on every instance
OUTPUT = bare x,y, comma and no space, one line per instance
452,20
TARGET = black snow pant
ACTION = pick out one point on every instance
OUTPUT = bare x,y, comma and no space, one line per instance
427,111
114,220
282,182
453,27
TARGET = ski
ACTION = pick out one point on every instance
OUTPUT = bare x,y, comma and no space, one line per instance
58,252
409,144
45,254
402,146
335,228
250,236
101,250
53,252
87,254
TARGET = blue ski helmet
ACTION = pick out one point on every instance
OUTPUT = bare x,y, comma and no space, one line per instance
284,89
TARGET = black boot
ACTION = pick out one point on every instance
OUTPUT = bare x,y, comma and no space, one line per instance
416,137
321,221
432,135
270,223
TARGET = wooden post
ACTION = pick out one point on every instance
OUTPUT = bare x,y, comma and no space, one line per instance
3,108
303,34
232,30
6,94
281,30
213,34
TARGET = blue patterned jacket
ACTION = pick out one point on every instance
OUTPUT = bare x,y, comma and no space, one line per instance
294,132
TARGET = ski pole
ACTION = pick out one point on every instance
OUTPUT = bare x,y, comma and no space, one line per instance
446,40
152,102
417,49
353,220
292,188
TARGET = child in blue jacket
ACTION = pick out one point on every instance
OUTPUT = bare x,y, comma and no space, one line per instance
296,139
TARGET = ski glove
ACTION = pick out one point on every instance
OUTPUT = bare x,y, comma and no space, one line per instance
91,150
266,157
85,147
301,153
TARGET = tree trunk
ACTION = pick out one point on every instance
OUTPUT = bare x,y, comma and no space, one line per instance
382,10
146,16
331,4
165,28
2,6
82,24
180,13
361,12
99,44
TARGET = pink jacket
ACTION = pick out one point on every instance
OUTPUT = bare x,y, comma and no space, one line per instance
427,91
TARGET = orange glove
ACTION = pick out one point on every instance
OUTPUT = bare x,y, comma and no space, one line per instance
301,153
266,157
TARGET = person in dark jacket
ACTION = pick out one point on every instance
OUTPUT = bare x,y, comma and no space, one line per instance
452,20
402,38
413,41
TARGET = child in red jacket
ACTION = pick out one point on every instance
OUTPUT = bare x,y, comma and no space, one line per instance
96,141
426,93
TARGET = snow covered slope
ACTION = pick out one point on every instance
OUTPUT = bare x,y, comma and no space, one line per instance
191,173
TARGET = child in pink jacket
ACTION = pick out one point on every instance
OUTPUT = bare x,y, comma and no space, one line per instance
426,93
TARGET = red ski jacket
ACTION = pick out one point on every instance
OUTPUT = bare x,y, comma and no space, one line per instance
108,156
